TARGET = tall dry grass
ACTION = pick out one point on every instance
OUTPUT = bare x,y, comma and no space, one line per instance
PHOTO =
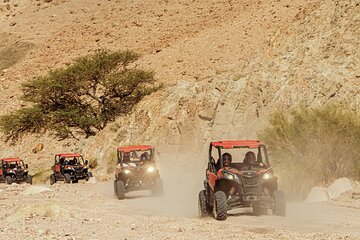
311,147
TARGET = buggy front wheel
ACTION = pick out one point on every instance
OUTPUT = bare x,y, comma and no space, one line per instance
52,179
29,179
67,178
220,206
8,179
120,189
203,207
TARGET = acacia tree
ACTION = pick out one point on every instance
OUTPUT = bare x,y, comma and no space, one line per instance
84,96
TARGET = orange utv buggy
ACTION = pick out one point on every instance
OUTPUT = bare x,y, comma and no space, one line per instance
69,167
13,170
136,170
239,175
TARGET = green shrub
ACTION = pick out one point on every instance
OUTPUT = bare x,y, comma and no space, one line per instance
83,97
314,146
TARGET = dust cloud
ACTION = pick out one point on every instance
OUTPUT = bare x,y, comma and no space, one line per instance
182,176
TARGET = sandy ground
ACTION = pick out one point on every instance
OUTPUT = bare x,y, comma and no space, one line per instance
91,211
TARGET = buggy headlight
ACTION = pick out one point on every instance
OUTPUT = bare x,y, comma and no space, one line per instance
127,171
150,169
267,176
230,176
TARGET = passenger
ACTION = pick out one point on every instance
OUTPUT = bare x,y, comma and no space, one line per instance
250,161
250,158
144,156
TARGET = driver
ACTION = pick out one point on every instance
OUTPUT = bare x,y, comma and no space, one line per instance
227,159
250,158
62,161
250,161
126,157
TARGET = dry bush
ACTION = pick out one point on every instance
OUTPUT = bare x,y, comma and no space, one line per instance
42,175
313,146
111,162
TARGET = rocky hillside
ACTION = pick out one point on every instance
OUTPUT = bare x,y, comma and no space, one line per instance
314,60
226,66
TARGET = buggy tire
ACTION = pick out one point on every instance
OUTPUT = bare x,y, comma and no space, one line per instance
29,179
8,180
90,174
220,206
52,179
75,181
120,189
280,203
67,178
158,188
115,187
203,207
258,210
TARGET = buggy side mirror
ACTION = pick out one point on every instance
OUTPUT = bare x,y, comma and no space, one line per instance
26,166
86,162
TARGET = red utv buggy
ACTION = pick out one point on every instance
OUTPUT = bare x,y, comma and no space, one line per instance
240,176
14,170
70,167
136,170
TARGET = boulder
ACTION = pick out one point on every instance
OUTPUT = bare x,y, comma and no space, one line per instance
49,210
38,148
318,194
35,190
339,187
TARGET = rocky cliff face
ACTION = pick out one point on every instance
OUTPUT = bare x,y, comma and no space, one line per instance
314,61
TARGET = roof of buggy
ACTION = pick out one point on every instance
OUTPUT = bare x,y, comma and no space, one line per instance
135,148
15,159
236,144
68,155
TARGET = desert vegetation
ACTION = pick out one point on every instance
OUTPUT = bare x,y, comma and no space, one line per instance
314,146
81,98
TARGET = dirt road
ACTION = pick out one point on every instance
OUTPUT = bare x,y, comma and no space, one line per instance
91,211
